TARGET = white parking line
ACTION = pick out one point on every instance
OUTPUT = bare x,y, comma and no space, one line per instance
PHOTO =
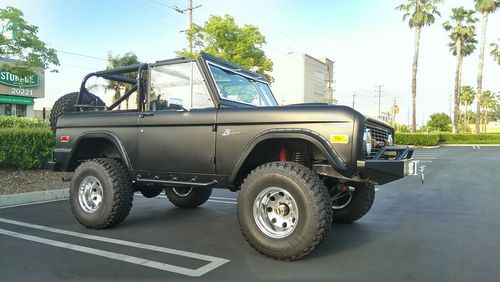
223,198
106,254
214,262
223,202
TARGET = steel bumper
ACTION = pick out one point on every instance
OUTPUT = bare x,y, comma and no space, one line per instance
389,164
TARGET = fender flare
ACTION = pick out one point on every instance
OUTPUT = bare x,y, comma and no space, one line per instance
307,135
108,135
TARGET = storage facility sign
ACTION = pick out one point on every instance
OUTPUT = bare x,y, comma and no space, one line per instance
11,79
32,86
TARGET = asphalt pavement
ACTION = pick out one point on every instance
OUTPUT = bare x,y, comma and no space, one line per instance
446,229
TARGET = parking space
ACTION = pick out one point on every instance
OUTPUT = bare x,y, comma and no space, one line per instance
445,229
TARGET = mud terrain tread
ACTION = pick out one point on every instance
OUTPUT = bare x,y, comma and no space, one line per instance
311,184
122,190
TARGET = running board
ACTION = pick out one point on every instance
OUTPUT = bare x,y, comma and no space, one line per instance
178,183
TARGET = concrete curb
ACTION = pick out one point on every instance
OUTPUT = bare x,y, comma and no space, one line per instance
470,145
33,197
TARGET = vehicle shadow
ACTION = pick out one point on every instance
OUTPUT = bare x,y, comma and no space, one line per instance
344,238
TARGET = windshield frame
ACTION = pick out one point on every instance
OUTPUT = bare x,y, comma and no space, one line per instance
240,71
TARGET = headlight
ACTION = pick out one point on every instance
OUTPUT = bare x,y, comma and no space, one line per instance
367,142
390,140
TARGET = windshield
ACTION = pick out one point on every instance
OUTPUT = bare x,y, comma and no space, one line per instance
238,88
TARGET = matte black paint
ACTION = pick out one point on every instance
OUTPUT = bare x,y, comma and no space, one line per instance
213,143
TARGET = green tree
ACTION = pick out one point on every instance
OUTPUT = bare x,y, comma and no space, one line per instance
485,7
494,114
467,95
439,122
19,41
495,51
463,43
116,62
488,102
420,13
394,111
222,37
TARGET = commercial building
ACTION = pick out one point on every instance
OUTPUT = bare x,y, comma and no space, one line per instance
18,94
301,78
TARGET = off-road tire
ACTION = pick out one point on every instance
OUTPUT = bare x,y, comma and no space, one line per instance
361,202
117,193
312,201
66,103
196,197
151,191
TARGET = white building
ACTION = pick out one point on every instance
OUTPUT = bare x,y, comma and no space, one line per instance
301,78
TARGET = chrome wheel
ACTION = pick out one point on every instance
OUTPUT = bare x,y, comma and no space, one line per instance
275,212
182,191
90,194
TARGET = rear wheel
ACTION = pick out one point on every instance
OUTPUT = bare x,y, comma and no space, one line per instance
66,103
149,191
188,197
284,210
353,203
101,193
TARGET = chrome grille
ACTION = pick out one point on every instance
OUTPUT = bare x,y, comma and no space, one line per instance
380,135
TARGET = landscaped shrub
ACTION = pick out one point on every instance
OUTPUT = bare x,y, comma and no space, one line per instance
21,122
25,148
417,139
432,139
470,138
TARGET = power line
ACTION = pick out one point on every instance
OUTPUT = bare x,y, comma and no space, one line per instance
137,15
291,39
81,55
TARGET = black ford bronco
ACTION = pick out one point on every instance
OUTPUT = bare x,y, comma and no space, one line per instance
205,123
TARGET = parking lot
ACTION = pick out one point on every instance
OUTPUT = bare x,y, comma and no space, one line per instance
446,229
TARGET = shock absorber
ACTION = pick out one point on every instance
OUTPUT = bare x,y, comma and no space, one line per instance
300,157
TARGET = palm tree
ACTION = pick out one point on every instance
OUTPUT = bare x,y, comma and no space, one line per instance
462,44
488,101
485,7
495,52
116,62
420,13
467,95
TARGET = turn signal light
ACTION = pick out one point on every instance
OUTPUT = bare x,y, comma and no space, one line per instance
64,139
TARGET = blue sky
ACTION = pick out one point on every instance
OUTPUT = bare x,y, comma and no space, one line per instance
368,40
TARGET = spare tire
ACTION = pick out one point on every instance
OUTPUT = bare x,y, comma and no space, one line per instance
66,103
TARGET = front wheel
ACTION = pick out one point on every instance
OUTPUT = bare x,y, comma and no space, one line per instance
284,210
353,203
101,193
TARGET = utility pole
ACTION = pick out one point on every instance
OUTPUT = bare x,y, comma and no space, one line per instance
379,98
353,97
190,11
394,110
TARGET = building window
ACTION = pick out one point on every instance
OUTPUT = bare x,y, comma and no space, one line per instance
13,110
319,76
21,110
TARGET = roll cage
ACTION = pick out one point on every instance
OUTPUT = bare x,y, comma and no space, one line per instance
139,84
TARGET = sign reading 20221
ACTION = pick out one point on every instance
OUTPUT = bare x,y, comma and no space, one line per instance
11,79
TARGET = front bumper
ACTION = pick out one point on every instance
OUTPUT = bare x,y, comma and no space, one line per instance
389,164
